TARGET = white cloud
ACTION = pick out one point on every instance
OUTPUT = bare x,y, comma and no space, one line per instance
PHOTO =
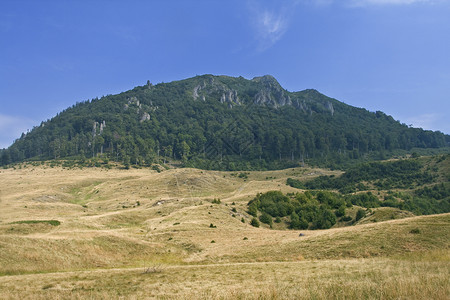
11,128
364,3
270,24
428,121
388,2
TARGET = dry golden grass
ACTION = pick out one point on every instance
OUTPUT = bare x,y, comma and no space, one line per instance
379,278
115,223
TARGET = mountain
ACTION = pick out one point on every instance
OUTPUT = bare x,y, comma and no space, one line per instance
219,122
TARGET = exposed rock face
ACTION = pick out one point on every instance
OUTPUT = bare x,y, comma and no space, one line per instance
142,110
230,96
97,128
272,98
266,91
330,107
195,92
102,126
145,117
209,87
271,93
132,101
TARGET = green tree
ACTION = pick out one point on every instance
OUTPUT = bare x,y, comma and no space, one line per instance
294,221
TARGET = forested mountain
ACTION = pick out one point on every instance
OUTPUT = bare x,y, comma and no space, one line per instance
219,122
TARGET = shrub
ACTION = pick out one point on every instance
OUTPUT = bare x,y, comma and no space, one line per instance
361,213
340,211
254,222
51,222
346,218
253,210
243,175
266,218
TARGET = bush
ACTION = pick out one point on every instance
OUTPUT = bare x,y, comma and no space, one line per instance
254,222
340,211
50,222
346,218
253,210
266,218
361,213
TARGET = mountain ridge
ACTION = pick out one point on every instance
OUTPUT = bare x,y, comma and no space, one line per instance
219,122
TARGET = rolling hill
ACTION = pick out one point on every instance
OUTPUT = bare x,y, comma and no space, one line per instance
111,233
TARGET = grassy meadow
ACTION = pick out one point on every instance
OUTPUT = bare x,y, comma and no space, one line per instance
134,234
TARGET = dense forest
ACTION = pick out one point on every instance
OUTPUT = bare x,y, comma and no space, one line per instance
381,175
219,122
322,209
421,186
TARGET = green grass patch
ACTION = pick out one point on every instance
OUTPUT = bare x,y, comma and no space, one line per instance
84,192
51,222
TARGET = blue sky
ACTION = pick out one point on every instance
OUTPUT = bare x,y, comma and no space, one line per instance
388,55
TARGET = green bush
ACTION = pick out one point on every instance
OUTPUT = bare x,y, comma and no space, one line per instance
266,218
361,213
254,222
346,218
51,222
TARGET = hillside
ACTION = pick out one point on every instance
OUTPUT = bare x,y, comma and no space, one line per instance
220,123
138,233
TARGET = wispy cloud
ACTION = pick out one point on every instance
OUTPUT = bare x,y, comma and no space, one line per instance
270,24
389,2
429,121
367,3
11,128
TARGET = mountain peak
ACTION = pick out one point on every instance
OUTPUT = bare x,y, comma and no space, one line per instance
267,80
271,92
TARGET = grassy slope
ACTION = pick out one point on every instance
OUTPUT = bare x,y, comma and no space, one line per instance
116,222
